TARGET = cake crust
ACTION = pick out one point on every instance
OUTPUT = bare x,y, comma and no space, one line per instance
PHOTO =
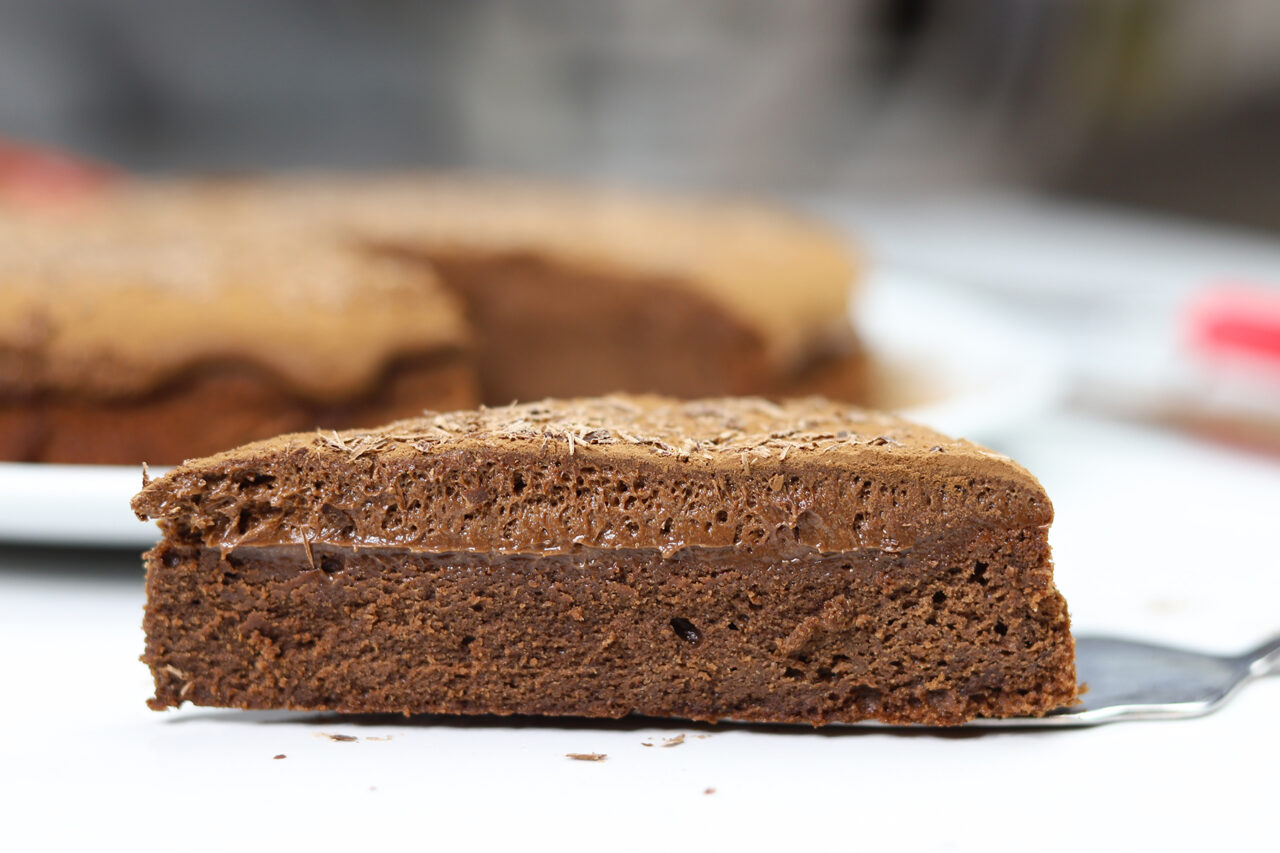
111,309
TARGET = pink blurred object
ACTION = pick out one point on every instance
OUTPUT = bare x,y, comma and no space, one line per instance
1232,336
1236,324
40,177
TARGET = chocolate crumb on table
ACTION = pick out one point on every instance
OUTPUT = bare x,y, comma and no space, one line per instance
607,556
280,756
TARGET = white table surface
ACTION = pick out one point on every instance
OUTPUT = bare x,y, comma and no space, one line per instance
1156,535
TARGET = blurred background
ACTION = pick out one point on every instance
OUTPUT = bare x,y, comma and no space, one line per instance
1168,104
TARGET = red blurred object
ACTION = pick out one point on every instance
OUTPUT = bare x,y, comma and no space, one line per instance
1233,330
1237,323
39,176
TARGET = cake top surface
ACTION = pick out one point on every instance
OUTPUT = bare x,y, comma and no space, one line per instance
503,479
710,430
117,305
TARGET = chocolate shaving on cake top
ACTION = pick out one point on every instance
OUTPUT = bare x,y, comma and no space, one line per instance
749,427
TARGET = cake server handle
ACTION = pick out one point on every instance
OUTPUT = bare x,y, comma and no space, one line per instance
1264,660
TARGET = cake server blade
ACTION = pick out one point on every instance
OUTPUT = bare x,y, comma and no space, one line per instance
1134,680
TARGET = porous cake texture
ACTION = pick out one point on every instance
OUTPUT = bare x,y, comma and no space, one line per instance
711,559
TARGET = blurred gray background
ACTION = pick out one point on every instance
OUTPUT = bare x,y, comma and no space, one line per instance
1173,106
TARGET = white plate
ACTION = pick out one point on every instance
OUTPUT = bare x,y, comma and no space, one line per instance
941,359
949,357
71,505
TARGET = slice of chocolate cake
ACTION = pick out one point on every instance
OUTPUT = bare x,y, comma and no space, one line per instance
716,559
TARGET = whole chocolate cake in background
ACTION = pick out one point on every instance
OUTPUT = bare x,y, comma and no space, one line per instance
159,320
151,343
727,558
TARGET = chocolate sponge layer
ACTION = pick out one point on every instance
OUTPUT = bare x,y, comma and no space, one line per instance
704,633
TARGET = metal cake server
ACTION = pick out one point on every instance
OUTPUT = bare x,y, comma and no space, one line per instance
1133,680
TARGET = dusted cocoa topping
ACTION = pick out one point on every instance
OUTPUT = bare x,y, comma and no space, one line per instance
726,558
113,308
133,341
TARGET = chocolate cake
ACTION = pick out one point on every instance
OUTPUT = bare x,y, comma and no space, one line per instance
714,559
575,292
123,315
155,341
